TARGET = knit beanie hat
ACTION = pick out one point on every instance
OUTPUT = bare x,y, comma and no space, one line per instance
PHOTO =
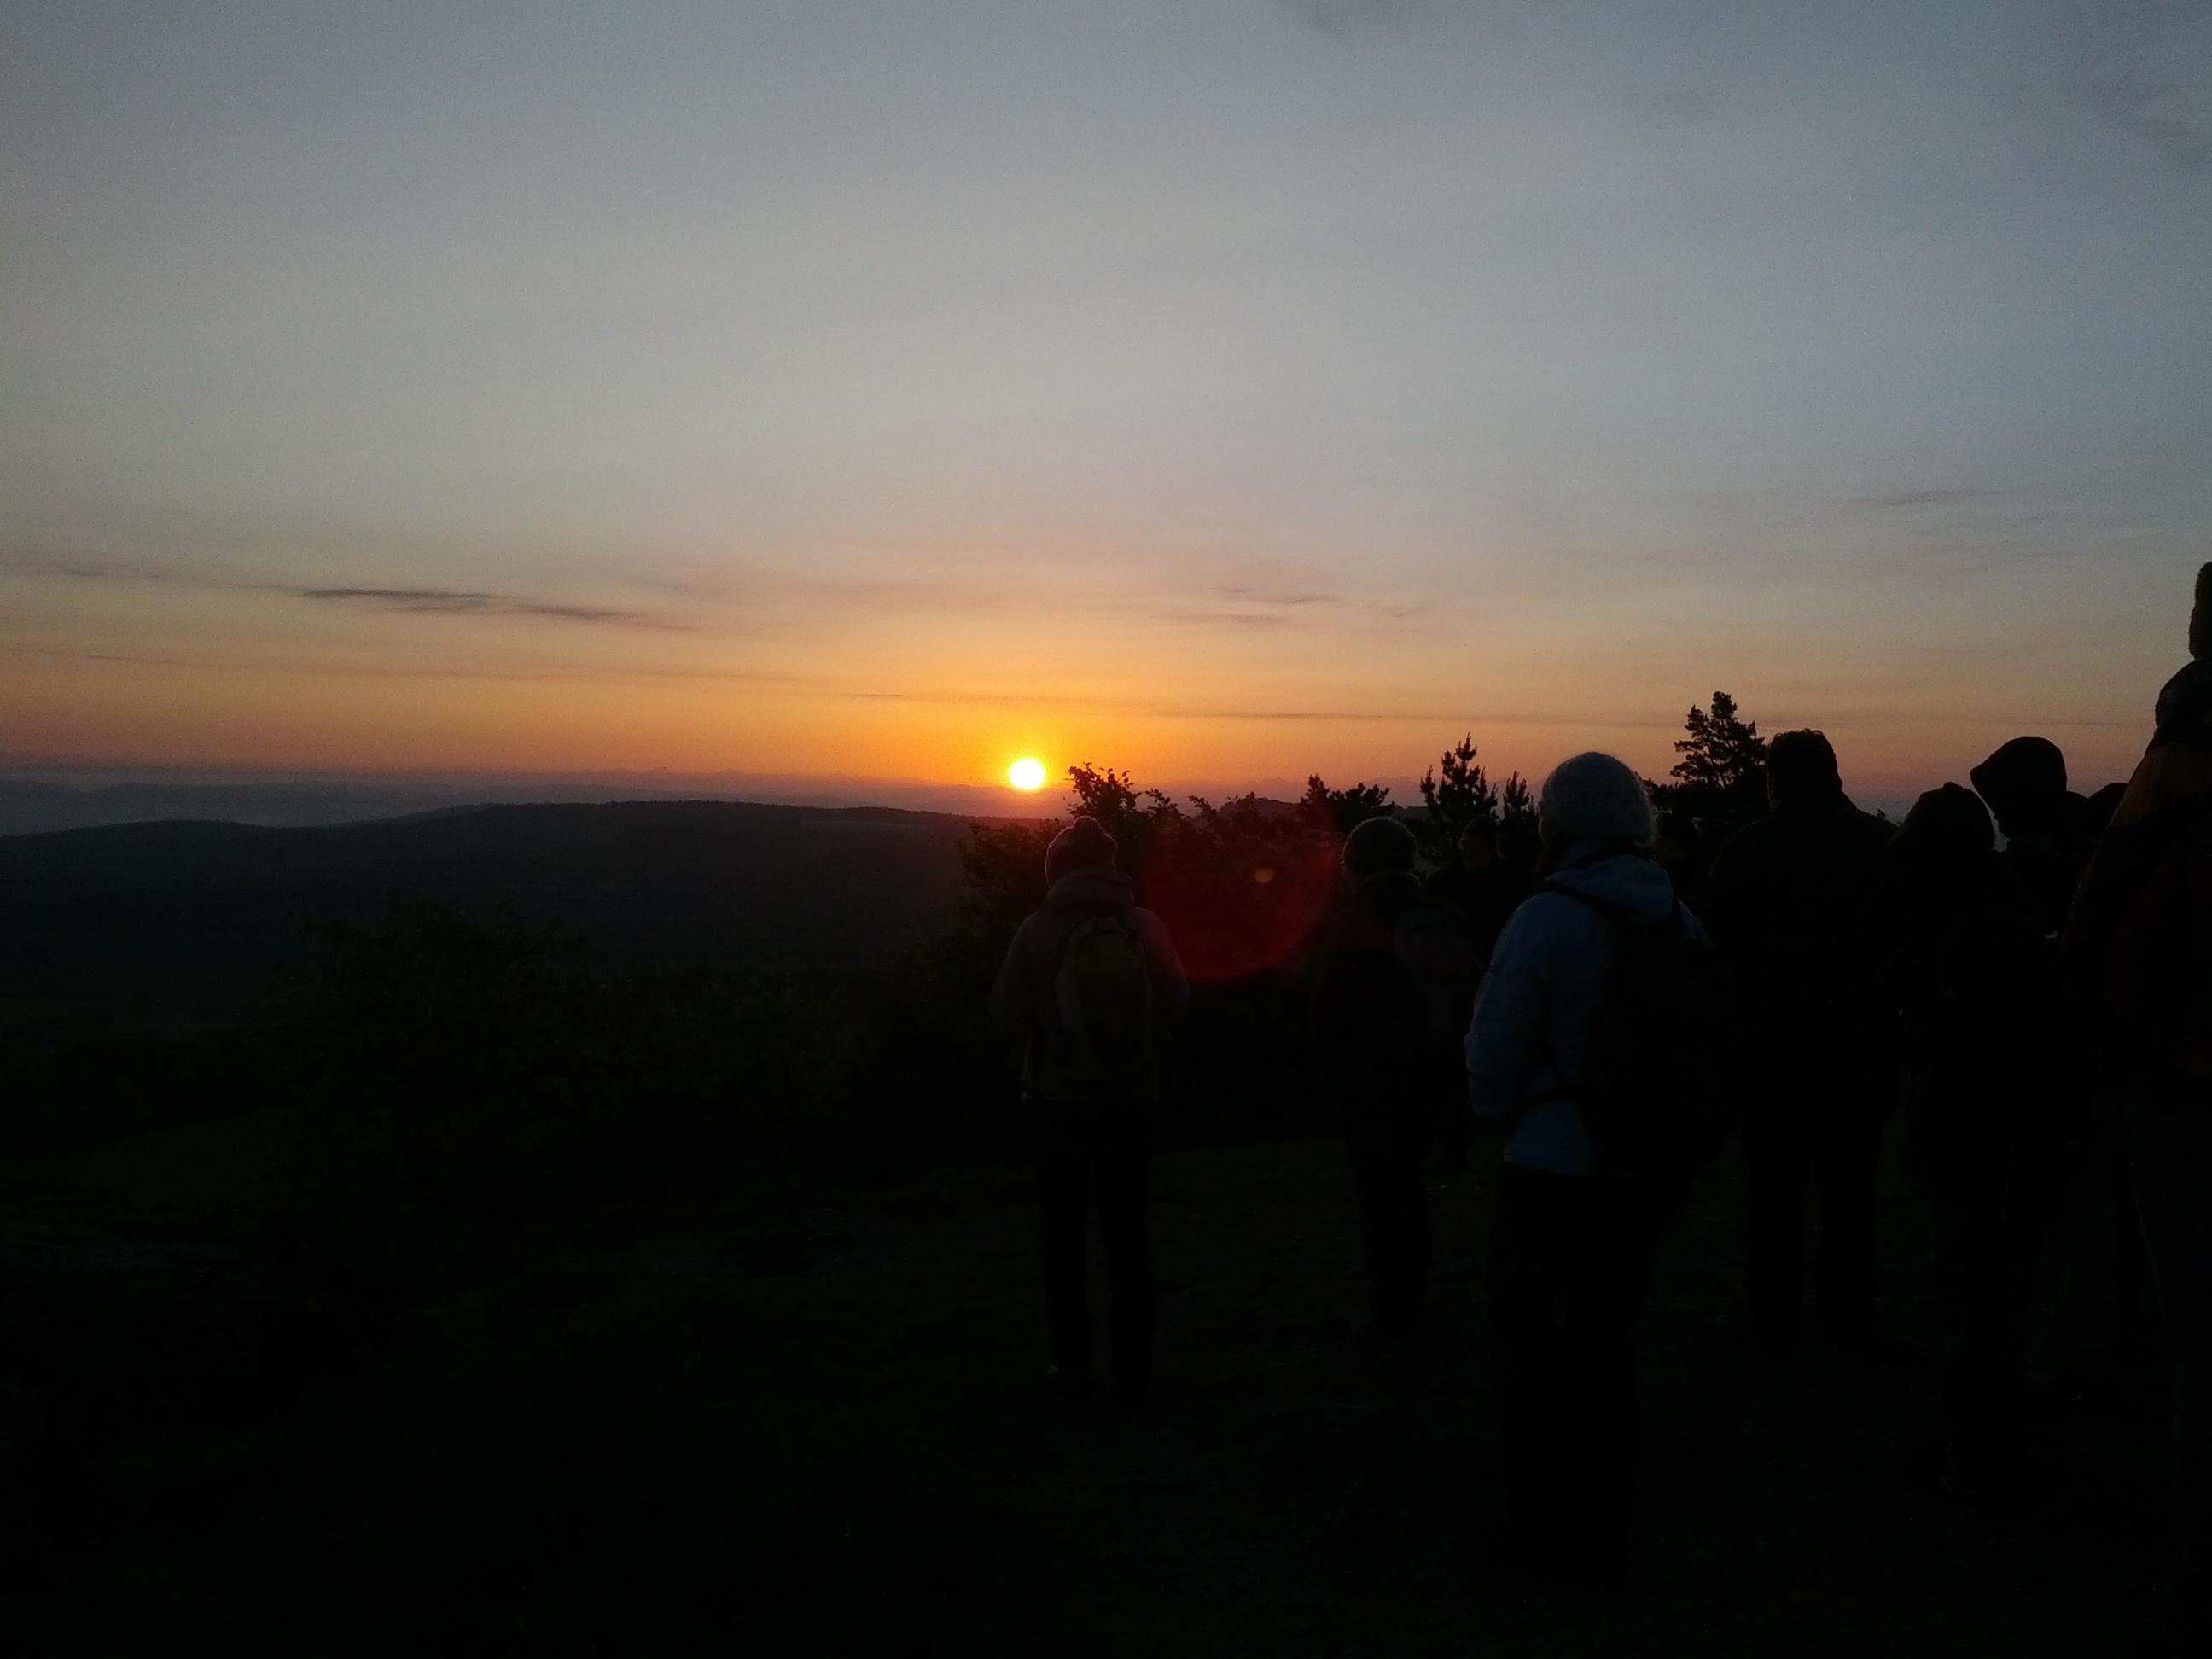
1378,845
1593,796
1084,845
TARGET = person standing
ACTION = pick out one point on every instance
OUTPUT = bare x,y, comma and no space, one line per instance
1575,1239
1390,1056
2140,938
1794,904
2045,825
1989,1093
1092,986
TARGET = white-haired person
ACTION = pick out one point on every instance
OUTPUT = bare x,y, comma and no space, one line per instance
1574,1241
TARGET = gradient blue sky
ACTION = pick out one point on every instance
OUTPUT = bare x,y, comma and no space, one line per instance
1219,391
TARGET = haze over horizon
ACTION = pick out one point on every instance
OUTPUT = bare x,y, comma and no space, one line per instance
1287,386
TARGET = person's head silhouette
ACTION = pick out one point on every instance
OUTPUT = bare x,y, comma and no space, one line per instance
1084,845
1801,766
1593,796
2024,779
1378,846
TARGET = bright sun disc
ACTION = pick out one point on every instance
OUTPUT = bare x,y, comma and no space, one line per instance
1026,773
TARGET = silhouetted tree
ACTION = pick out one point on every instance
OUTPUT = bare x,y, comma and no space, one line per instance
1131,816
1721,780
1458,793
1344,809
1516,803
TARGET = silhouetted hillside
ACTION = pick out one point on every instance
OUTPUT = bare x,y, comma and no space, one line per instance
190,918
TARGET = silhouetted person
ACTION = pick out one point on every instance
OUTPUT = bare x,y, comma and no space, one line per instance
1478,890
2045,825
2141,939
1572,1256
1794,905
2050,833
1479,895
1685,854
1990,1092
1520,856
1375,1026
1092,985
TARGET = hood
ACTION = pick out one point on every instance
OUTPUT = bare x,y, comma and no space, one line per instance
1079,888
2187,696
1628,881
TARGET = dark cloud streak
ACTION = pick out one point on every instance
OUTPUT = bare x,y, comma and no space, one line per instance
450,601
2145,67
1917,498
434,601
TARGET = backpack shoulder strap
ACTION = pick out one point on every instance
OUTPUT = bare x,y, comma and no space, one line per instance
1613,914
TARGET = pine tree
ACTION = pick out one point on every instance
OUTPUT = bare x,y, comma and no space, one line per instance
1721,779
1459,795
1343,810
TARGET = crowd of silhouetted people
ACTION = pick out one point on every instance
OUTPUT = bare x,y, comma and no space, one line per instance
2023,972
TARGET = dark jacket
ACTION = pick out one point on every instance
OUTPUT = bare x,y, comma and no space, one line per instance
1024,1003
1370,1019
1795,907
1990,1091
2139,936
2047,854
1480,900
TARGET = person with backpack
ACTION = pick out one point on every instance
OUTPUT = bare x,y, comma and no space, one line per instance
2139,941
1590,1053
1990,1108
1382,1020
1092,985
1794,904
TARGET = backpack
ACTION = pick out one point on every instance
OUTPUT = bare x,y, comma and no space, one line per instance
1651,1088
1103,989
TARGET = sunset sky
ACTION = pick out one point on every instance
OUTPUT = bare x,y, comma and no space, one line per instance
1225,391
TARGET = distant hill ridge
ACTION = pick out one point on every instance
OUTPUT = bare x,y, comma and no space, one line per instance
189,921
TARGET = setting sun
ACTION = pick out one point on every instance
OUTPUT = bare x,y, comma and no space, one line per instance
1026,773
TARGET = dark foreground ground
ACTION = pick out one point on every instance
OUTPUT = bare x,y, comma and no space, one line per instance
818,1430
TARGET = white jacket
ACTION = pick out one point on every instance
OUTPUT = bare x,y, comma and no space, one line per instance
1531,1015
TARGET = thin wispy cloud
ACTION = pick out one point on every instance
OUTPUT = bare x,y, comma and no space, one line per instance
1341,20
1917,498
2145,67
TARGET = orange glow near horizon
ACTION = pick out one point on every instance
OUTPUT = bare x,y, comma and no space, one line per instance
906,692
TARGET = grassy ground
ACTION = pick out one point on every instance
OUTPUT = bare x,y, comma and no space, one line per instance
818,1429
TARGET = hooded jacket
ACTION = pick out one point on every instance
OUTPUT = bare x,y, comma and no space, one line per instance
1023,1001
2140,936
1532,1017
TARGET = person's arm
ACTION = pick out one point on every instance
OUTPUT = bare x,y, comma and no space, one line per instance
1170,985
1013,998
2145,827
1505,1039
1721,906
